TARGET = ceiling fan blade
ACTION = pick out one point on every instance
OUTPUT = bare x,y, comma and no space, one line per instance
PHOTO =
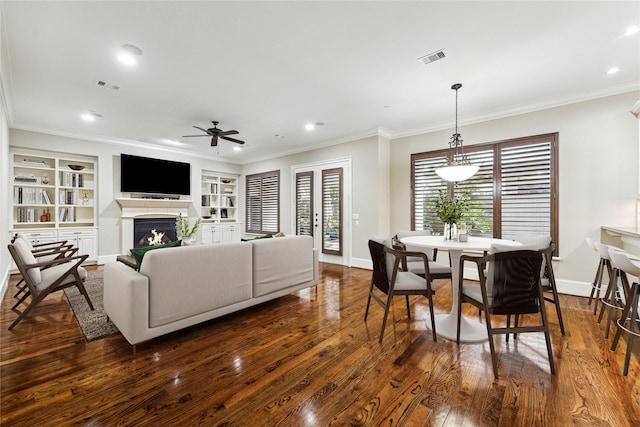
237,141
214,141
228,132
189,136
203,130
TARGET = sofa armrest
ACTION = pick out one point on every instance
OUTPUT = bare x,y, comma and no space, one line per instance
126,300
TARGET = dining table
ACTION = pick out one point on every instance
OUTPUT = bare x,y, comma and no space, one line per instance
471,330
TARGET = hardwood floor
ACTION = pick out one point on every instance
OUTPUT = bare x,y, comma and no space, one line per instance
309,359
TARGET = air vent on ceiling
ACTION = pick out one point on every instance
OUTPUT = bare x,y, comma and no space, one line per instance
432,57
108,85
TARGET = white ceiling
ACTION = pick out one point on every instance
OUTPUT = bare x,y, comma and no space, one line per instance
267,68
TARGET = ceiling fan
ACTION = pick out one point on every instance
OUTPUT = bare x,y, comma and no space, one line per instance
216,133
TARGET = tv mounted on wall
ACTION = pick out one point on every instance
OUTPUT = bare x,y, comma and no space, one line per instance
154,176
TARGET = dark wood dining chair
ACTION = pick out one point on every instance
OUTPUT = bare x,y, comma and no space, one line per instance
388,279
511,286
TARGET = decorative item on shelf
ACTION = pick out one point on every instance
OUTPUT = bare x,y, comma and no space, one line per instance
76,167
43,217
458,167
213,211
48,215
85,196
226,181
45,179
450,211
184,230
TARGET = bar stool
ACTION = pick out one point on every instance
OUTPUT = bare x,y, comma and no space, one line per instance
613,299
630,313
596,286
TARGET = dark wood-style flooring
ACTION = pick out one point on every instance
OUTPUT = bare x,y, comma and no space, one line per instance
309,359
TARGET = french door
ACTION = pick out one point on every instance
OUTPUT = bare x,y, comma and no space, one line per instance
320,194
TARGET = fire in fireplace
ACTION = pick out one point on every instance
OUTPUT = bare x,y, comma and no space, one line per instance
153,231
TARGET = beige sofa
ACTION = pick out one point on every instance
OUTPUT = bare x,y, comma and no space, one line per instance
183,286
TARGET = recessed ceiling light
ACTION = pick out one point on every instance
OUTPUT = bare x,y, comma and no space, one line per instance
309,126
236,148
90,116
613,70
128,54
632,30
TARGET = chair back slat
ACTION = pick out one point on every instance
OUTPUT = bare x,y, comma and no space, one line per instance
379,260
515,282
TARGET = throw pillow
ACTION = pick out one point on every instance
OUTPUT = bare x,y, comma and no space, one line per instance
138,253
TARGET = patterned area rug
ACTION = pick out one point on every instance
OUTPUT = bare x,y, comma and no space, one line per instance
94,324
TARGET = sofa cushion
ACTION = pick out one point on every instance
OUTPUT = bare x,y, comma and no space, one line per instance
189,280
281,263
138,253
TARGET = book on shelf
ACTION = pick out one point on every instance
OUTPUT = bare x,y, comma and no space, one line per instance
34,162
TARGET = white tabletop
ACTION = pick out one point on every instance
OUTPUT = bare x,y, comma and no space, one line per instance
473,244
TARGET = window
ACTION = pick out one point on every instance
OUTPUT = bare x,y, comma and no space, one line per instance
304,203
515,190
263,202
332,211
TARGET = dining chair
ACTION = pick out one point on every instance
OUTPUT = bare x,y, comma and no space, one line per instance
622,261
388,279
59,273
617,288
545,245
511,286
415,264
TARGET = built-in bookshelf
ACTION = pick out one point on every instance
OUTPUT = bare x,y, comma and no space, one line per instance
219,197
50,191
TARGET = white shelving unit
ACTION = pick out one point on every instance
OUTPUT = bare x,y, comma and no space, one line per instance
219,192
52,201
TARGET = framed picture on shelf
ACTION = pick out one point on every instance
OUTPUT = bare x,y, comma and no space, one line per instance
223,213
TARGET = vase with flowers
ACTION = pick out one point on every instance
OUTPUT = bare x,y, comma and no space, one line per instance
450,210
185,231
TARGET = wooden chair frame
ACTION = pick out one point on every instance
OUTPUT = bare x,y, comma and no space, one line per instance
38,294
380,280
488,309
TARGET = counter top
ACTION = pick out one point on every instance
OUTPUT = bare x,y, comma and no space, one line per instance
627,231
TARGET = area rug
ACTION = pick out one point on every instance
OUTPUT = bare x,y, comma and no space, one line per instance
94,324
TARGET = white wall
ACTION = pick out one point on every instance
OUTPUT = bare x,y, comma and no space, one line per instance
369,190
108,173
598,170
5,258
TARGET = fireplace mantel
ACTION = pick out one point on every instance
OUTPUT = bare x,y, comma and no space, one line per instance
146,208
153,203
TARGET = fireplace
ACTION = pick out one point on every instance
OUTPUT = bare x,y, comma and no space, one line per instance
153,209
153,231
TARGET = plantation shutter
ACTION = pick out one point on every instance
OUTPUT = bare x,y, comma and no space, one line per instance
513,192
479,189
304,203
427,185
332,211
526,189
263,202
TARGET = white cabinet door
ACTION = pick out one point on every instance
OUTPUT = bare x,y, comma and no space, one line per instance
212,233
232,232
85,239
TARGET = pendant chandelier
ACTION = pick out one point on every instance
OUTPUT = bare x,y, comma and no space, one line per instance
458,167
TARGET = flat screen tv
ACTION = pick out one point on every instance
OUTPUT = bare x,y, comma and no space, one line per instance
154,176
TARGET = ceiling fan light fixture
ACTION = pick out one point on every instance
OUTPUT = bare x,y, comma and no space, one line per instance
458,167
309,126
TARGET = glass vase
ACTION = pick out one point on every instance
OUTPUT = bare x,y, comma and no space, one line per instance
450,232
